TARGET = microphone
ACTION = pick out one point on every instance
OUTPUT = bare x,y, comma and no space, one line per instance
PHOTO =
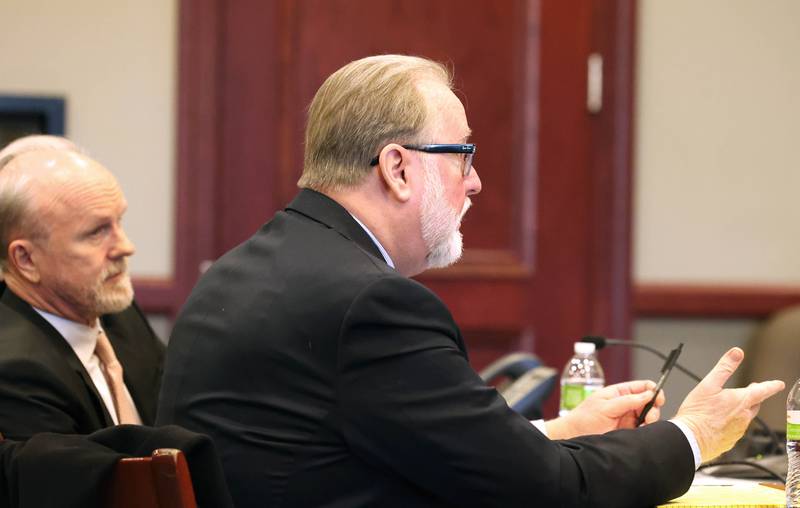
600,342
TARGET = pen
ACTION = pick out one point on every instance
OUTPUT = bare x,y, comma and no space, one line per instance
665,370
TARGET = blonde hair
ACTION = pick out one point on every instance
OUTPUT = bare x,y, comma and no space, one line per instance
15,216
15,212
358,109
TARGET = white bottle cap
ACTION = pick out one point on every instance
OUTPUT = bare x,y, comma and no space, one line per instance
584,348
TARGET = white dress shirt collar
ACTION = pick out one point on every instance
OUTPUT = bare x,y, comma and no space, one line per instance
83,341
81,338
385,254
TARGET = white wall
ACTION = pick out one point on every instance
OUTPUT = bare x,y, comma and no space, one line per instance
717,162
705,340
115,62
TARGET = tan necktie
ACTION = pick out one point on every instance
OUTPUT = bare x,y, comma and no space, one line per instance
112,370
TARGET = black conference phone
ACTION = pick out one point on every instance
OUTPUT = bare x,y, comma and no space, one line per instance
523,381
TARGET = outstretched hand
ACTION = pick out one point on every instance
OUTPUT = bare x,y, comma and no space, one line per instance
612,407
719,417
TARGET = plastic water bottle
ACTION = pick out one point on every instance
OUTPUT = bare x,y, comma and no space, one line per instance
582,375
793,446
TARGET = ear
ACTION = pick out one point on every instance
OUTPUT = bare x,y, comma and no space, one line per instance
21,257
393,162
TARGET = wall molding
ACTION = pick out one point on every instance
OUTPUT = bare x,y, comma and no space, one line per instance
712,300
197,156
156,296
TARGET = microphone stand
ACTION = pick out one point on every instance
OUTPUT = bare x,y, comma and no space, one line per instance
630,343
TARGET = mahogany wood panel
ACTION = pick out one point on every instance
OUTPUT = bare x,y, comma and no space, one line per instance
160,480
251,127
548,238
541,267
611,155
692,300
476,37
198,134
558,301
318,36
155,296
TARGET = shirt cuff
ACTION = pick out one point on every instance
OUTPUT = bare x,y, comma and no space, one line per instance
539,424
692,441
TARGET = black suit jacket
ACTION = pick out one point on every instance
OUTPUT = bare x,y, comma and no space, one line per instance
70,471
328,379
45,388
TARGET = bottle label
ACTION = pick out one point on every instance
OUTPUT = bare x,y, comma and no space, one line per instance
793,425
573,394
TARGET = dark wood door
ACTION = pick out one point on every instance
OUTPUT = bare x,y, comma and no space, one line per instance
547,239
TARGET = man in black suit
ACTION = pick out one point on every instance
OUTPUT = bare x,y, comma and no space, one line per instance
76,355
328,377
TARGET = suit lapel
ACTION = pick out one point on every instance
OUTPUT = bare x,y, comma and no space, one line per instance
58,344
325,210
128,359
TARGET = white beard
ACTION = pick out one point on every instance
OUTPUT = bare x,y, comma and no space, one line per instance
101,298
114,299
440,223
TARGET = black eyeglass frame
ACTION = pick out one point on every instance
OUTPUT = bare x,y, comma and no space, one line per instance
468,149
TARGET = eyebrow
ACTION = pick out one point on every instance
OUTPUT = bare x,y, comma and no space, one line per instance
96,218
94,222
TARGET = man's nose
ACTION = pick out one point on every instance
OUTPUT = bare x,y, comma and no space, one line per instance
473,182
124,246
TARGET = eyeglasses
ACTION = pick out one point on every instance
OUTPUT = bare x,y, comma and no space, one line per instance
466,150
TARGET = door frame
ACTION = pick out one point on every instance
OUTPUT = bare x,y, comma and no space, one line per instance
204,32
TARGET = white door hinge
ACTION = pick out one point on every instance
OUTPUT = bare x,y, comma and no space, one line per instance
594,83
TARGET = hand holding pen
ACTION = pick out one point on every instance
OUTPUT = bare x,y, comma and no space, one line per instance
665,370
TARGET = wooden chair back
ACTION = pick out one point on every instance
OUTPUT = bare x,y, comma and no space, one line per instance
159,481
